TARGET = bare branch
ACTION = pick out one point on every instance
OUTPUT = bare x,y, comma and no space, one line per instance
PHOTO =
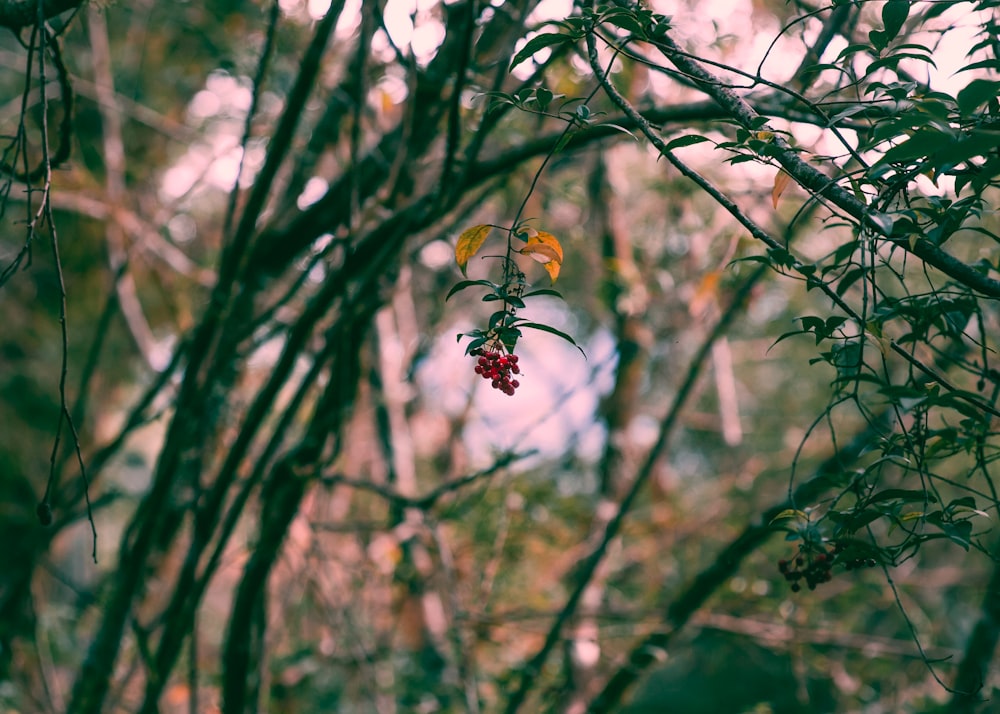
17,14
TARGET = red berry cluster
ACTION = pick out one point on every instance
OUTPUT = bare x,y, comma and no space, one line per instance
813,568
497,366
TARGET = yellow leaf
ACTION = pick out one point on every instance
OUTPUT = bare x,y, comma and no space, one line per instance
549,239
545,248
552,268
469,244
781,181
540,252
790,513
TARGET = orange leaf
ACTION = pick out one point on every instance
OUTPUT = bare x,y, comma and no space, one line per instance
706,293
545,248
469,244
552,268
540,252
551,240
781,181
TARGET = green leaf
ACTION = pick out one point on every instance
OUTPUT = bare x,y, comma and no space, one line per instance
882,221
619,128
904,495
509,337
478,342
625,19
849,278
552,331
959,532
964,502
990,64
751,259
462,285
544,98
781,257
975,94
852,50
811,322
923,143
514,301
787,335
894,14
536,43
879,39
496,318
858,520
544,291
847,113
686,140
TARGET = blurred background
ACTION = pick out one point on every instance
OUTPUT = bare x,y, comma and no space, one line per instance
304,498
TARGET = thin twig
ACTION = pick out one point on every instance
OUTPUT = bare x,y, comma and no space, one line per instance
429,499
65,417
258,81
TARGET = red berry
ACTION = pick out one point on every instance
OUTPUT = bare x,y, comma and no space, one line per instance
515,384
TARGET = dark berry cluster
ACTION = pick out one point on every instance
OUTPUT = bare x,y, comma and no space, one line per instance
850,559
814,568
497,366
855,563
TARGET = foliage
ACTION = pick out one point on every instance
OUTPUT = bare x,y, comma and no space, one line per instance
228,272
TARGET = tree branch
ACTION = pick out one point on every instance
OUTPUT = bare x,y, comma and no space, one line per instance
17,14
819,183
